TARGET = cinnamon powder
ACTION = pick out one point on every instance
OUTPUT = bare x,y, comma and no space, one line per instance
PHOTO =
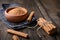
16,11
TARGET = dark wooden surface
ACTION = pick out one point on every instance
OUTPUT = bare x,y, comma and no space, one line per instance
49,9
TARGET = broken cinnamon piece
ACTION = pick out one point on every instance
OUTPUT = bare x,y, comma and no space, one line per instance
30,16
15,37
17,33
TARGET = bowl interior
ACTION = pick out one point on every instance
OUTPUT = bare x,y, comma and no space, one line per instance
23,11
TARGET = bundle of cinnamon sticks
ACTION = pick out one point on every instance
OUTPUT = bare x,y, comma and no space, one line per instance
48,27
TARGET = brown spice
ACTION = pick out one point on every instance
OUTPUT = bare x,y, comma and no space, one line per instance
16,11
17,33
15,37
30,16
48,27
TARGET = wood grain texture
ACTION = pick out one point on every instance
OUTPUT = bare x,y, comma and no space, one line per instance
50,12
41,10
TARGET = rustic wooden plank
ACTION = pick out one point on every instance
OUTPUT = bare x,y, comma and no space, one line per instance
49,5
30,5
3,32
52,11
43,12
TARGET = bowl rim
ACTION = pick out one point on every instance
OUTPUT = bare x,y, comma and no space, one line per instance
16,7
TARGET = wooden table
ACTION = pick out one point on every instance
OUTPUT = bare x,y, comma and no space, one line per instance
49,9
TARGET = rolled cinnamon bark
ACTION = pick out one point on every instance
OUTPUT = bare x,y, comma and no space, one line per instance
53,26
30,16
43,26
48,27
50,24
40,23
15,37
17,33
47,24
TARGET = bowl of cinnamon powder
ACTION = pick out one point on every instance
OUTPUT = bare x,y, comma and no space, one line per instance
16,14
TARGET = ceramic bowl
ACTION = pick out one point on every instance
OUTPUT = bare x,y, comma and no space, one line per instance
16,18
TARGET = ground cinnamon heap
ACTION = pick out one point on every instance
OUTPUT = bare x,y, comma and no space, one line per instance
16,11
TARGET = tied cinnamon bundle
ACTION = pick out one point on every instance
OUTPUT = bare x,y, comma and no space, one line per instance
48,27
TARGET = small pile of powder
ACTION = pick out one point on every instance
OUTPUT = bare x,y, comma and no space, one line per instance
16,11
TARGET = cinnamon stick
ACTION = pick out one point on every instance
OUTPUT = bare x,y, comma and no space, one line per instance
15,37
30,16
50,24
44,26
17,33
47,24
50,27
